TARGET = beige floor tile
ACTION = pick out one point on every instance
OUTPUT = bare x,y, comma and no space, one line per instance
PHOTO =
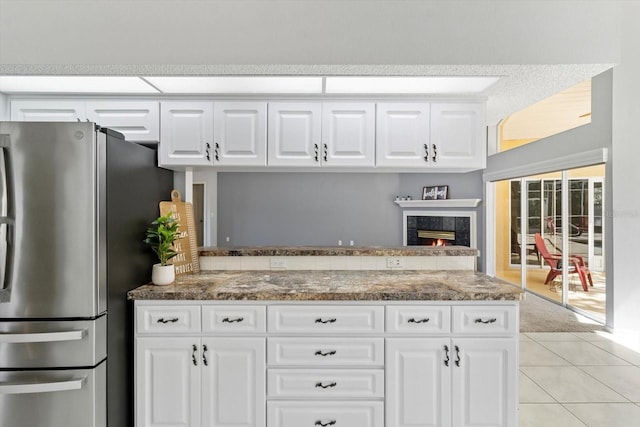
535,354
582,353
547,415
568,384
530,392
619,350
553,336
607,414
623,379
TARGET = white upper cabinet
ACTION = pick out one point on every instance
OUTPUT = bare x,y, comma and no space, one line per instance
47,110
294,134
186,133
402,132
136,120
458,136
348,134
240,133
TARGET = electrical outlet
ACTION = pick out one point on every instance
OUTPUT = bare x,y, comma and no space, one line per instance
395,262
278,262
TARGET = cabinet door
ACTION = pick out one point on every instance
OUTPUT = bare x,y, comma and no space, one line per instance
402,134
418,382
186,133
39,110
485,384
167,389
240,133
294,134
348,134
136,120
234,388
458,136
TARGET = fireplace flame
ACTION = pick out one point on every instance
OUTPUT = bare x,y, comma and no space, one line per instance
439,242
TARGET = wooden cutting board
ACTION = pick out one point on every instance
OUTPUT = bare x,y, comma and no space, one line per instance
187,260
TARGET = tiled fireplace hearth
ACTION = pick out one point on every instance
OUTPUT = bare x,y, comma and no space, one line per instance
431,228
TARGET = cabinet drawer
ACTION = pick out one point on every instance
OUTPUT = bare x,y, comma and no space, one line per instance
486,319
337,414
325,383
326,319
235,319
419,319
167,319
325,351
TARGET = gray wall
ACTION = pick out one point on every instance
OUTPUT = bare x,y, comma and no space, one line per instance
323,208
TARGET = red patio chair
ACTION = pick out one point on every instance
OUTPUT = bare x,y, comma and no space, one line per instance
553,260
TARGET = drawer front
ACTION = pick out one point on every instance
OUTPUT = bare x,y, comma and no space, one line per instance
167,319
326,319
325,352
325,383
418,319
485,320
235,319
337,414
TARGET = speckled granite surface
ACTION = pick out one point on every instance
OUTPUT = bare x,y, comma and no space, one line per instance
339,251
364,285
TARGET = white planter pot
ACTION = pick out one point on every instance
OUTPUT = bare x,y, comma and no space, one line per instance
163,274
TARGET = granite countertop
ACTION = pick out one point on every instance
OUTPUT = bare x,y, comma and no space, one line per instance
339,251
332,285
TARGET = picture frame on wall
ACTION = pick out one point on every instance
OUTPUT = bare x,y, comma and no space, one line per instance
438,192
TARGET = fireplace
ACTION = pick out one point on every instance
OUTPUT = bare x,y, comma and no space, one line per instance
435,228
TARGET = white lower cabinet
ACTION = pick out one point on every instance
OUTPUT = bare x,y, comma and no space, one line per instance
485,382
168,382
418,382
233,388
319,413
198,380
360,365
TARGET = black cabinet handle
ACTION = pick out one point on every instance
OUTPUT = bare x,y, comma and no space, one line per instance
435,153
457,355
216,152
315,147
492,320
236,320
426,153
330,385
332,320
413,320
326,151
446,355
325,353
207,151
193,355
163,320
204,355
328,423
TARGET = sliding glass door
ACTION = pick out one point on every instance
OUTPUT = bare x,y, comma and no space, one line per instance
538,218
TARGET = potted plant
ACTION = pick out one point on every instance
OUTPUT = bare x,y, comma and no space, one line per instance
160,236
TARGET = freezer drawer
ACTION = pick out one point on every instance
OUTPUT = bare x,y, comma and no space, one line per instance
53,344
54,398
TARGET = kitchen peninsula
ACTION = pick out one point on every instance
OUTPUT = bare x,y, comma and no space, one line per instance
388,336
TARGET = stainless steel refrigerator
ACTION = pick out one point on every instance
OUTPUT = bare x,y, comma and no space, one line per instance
75,201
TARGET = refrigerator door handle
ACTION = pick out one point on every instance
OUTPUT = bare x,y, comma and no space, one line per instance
43,337
6,222
42,387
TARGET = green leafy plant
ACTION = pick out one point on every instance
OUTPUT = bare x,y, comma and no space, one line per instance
161,235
